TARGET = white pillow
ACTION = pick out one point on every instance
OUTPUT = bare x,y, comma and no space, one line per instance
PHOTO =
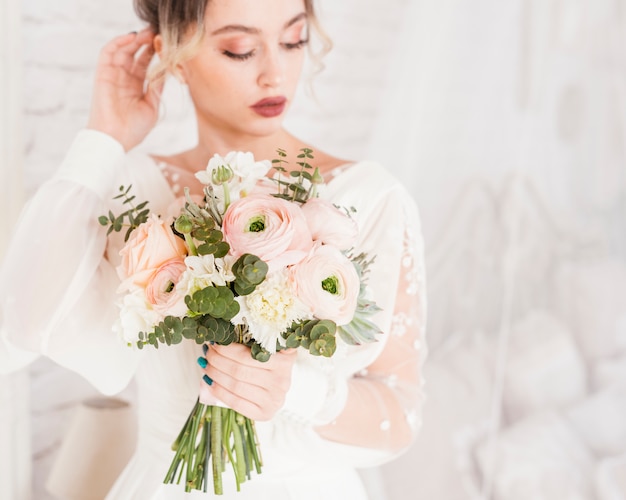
539,458
611,479
544,368
601,421
592,297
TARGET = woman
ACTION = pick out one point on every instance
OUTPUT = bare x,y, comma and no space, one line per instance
317,420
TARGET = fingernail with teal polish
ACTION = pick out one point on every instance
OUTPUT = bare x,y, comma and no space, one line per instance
205,349
202,362
208,380
211,342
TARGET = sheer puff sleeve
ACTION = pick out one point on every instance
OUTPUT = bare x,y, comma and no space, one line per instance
371,410
58,289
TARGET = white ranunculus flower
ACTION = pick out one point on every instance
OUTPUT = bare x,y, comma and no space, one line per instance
205,270
136,316
271,309
246,173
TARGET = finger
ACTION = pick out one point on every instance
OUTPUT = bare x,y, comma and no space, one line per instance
253,391
230,372
241,354
240,405
127,44
143,59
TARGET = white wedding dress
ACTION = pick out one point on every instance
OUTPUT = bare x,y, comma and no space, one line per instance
58,295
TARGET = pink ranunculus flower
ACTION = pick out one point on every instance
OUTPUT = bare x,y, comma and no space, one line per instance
327,282
161,290
273,229
149,246
329,225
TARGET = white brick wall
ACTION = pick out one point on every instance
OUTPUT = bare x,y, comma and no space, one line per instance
61,42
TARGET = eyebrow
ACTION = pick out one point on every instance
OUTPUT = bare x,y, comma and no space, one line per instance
254,31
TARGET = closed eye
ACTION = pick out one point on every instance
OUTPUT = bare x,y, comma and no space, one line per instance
238,57
295,46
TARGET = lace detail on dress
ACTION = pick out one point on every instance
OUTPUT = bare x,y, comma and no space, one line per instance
179,178
409,264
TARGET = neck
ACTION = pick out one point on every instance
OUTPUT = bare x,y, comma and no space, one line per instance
211,141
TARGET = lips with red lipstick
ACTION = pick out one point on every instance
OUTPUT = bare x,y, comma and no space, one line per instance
270,107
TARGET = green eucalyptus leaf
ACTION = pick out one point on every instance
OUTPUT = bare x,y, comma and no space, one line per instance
259,353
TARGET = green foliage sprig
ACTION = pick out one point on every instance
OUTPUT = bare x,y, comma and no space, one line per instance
361,330
198,227
318,336
136,215
302,183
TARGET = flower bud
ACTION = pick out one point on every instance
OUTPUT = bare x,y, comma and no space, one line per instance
222,175
183,225
317,177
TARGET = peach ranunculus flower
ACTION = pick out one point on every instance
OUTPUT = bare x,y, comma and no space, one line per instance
327,282
273,229
162,291
149,246
329,225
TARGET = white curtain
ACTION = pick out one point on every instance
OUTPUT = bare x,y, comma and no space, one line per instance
507,120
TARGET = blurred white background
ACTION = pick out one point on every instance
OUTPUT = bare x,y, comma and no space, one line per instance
507,121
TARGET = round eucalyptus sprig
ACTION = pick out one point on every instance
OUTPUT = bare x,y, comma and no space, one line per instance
318,336
202,329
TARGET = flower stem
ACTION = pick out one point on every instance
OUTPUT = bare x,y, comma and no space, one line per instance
190,243
254,445
216,448
240,459
191,445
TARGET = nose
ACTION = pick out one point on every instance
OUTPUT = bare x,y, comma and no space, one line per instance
271,71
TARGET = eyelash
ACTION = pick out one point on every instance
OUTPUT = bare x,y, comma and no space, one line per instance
248,55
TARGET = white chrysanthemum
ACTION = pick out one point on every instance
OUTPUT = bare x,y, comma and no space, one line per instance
136,315
205,270
270,310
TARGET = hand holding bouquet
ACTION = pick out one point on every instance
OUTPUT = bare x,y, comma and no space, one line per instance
271,271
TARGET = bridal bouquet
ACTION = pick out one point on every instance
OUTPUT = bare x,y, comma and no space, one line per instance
271,269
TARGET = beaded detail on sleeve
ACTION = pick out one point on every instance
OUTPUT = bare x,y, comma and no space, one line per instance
387,395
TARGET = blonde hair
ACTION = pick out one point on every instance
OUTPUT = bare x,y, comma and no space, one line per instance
173,19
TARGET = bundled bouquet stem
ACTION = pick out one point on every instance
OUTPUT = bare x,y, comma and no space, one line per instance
270,271
213,433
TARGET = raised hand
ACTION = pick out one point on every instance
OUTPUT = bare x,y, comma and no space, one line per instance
256,390
123,105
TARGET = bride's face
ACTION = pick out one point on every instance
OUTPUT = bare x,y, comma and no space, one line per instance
246,71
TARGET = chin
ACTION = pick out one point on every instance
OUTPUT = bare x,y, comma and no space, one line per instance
266,128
